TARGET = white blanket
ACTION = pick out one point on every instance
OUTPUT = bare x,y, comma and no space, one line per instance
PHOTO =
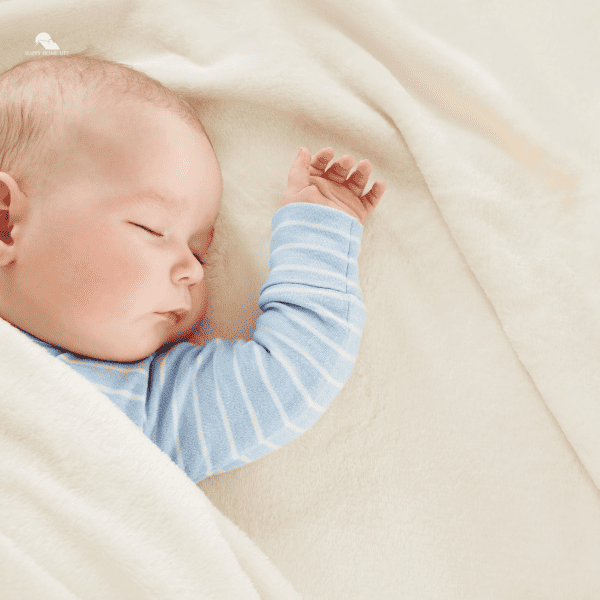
462,458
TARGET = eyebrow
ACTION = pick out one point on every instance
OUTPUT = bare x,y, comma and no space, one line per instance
154,197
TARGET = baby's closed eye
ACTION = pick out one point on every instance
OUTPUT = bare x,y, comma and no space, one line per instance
146,228
198,257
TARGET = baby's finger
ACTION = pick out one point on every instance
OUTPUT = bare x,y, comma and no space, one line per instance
340,168
358,180
298,175
374,195
320,161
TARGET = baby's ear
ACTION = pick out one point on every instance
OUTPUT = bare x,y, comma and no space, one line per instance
4,193
4,215
13,207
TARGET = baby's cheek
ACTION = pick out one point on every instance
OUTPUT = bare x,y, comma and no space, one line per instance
115,281
200,299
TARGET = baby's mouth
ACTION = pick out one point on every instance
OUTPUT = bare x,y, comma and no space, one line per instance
177,314
174,317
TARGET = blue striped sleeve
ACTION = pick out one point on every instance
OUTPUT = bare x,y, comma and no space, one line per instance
216,407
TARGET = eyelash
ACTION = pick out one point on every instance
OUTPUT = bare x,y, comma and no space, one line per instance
160,235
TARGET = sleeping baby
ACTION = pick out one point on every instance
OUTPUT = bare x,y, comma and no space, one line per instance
109,193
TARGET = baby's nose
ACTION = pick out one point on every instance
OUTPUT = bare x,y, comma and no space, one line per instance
192,270
196,271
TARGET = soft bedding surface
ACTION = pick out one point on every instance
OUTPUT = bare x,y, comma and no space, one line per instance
462,458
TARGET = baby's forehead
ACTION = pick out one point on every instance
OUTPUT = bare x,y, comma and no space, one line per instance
140,147
106,142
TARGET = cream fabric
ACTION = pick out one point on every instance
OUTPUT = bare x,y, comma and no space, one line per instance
462,458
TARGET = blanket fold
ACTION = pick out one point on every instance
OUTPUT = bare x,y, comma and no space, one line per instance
91,508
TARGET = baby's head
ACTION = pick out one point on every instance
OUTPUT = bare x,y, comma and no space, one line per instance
112,190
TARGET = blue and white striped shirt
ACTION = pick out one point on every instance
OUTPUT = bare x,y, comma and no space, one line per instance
216,407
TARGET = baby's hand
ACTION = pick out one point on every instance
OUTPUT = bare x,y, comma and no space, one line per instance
309,182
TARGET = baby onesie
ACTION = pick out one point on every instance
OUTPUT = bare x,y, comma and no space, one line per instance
216,407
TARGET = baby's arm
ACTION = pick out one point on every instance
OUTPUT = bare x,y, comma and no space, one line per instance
233,401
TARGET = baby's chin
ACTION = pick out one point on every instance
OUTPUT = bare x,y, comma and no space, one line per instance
177,338
127,353
183,333
121,353
139,345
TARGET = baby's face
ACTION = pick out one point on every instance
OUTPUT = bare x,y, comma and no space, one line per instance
87,276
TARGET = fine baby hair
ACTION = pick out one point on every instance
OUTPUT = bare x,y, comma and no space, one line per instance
34,92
